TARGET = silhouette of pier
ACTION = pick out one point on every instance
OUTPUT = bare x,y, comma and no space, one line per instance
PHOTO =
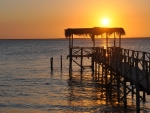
115,65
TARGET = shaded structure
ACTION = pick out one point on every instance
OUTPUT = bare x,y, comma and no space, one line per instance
118,65
92,32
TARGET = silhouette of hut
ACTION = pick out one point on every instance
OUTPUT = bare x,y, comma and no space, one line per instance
92,32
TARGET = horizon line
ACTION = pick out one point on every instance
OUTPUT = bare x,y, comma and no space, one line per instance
60,38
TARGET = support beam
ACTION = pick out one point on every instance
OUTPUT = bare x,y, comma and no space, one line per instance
77,63
137,87
98,71
70,62
81,59
69,41
61,62
95,68
114,39
144,99
106,40
51,60
118,86
132,90
72,40
125,95
145,69
102,74
125,86
92,64
119,40
93,39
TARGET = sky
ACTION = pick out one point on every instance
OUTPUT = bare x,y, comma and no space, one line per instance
37,19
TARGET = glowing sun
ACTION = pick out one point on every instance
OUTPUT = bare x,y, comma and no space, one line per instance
105,22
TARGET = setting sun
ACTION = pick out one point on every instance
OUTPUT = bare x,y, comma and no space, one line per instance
105,22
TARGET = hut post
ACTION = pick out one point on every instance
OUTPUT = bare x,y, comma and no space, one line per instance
70,55
119,40
70,62
106,40
107,47
81,59
93,39
72,40
114,39
69,42
92,60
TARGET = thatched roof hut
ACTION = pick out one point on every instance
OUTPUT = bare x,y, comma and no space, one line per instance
92,32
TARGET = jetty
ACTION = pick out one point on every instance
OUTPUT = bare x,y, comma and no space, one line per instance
118,65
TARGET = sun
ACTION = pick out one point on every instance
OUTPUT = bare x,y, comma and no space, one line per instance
105,22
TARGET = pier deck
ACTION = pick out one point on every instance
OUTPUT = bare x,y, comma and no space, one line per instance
132,66
128,63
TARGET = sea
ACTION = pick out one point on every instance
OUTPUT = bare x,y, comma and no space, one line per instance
27,84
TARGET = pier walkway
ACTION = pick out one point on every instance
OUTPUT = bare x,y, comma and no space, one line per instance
123,65
117,66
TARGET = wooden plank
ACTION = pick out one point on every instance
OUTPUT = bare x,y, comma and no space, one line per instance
132,75
80,56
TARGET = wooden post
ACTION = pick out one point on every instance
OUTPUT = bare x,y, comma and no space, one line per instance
106,86
72,40
98,71
129,59
51,60
149,63
125,79
61,62
69,42
147,71
132,89
70,63
144,99
144,68
106,40
93,36
81,60
137,86
125,96
92,61
118,86
119,40
110,89
114,40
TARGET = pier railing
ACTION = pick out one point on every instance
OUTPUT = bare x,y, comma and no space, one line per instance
130,63
84,51
75,52
122,65
135,65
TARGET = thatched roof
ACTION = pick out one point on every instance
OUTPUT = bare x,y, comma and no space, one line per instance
93,31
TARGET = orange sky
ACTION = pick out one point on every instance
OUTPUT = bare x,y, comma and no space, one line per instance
49,18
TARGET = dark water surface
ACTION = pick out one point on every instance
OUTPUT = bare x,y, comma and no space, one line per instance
27,84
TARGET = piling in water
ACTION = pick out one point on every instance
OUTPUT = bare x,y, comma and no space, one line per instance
61,62
51,61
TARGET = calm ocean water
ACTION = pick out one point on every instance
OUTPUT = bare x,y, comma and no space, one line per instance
28,85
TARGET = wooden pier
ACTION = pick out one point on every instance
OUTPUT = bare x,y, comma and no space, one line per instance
118,65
